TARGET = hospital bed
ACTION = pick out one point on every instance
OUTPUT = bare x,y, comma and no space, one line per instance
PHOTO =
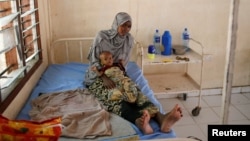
66,70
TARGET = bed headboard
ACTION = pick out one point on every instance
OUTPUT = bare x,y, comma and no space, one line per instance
76,50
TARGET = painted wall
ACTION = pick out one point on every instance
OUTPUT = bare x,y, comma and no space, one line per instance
207,21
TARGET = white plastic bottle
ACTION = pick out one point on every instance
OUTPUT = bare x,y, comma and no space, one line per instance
185,38
157,42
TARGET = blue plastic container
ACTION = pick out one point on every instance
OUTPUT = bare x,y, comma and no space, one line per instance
167,43
151,51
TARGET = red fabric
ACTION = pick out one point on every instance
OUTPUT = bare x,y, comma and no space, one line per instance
23,130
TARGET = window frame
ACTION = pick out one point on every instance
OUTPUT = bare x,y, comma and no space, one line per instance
37,48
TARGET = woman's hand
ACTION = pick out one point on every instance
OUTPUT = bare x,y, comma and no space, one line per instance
107,82
94,68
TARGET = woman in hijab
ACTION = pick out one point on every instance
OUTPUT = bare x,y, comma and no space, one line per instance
119,42
120,45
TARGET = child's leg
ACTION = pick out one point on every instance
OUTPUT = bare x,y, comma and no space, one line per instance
129,90
115,94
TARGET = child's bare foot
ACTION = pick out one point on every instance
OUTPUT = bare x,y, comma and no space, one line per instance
171,118
143,123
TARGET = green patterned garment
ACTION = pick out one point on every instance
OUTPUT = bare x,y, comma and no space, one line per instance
126,90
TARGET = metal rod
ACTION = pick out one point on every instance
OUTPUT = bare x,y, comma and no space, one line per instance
202,64
229,64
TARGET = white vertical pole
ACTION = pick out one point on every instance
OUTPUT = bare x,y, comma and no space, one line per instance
229,65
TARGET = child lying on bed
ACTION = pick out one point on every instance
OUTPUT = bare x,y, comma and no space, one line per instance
126,89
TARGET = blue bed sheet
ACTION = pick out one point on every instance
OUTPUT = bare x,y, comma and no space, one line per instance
69,76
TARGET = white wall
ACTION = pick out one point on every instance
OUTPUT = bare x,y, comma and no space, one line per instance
207,21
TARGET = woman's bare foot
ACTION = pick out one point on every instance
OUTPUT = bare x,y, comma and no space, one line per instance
143,123
171,118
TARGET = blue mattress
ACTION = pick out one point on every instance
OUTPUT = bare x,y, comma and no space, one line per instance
70,76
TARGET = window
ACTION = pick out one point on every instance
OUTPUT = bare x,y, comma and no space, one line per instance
20,46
